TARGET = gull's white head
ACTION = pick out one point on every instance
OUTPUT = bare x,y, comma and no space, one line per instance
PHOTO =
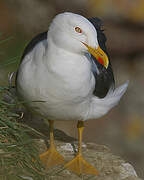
69,30
76,34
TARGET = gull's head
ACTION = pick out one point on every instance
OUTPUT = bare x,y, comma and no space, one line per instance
76,34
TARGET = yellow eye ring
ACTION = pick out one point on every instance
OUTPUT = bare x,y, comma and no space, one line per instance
78,29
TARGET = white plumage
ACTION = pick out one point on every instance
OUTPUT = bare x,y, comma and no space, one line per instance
58,72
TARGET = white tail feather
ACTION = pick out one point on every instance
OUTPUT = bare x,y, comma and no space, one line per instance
100,107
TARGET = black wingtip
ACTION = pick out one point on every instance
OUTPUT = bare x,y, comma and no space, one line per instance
105,78
97,22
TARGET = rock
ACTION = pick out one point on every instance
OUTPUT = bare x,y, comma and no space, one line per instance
110,166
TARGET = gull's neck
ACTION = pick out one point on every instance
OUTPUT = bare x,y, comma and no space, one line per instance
61,61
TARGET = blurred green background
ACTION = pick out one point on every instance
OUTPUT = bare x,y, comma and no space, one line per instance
123,128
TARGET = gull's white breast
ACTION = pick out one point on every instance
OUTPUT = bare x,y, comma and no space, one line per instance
61,79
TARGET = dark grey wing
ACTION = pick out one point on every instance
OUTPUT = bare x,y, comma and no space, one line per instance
105,78
40,37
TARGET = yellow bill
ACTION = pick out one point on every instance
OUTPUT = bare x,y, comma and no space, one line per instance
99,54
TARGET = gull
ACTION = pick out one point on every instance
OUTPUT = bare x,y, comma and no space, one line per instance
66,74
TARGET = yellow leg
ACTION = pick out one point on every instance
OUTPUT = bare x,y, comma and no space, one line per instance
78,165
51,157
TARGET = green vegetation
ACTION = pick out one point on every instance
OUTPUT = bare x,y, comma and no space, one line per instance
18,151
19,155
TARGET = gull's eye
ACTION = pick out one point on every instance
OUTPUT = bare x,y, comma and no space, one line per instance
78,29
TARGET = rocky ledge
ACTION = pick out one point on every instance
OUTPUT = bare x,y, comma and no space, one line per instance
110,166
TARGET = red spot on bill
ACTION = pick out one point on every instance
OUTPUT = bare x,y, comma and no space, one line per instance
100,60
